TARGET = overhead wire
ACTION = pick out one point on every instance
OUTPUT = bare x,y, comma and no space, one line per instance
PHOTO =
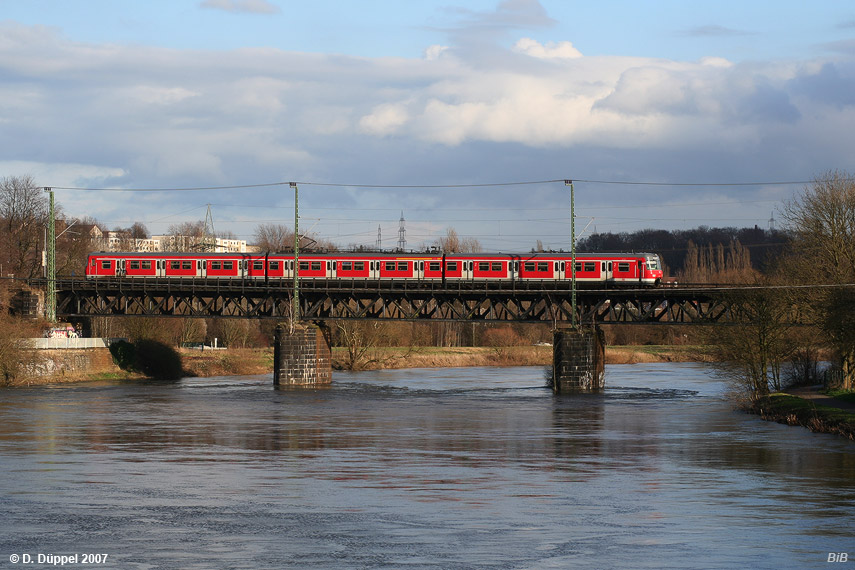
442,186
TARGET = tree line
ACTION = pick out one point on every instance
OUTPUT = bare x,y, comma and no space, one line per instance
698,250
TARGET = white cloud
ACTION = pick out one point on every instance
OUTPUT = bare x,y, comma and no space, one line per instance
434,52
156,117
61,174
384,119
552,50
242,6
153,95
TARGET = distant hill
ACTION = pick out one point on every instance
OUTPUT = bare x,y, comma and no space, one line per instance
672,246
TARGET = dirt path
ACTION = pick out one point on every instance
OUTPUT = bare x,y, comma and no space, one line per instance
813,394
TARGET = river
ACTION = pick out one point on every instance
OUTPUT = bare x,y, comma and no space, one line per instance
448,468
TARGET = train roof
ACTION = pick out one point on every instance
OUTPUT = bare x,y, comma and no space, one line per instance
366,254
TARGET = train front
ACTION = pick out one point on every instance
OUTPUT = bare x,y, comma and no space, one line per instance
652,270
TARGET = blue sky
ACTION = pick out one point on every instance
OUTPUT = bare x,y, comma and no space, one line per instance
166,94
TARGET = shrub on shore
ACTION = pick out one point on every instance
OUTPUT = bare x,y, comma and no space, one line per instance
792,410
150,357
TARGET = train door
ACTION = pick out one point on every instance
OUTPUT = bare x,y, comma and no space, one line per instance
419,269
374,269
562,268
468,269
121,267
607,270
332,269
514,268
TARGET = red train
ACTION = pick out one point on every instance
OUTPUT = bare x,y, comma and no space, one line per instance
630,269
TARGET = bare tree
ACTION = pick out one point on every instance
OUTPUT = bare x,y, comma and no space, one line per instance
359,338
186,236
138,231
274,237
822,220
751,355
24,212
280,238
452,243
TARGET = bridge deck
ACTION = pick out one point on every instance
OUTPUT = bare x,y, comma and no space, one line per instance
356,299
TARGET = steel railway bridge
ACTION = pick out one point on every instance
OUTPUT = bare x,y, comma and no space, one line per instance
322,300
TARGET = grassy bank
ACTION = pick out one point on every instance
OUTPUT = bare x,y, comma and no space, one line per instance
432,357
231,362
792,410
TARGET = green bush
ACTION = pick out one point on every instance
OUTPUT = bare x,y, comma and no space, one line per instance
124,355
150,357
158,360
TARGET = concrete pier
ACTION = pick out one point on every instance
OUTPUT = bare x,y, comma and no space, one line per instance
302,357
578,360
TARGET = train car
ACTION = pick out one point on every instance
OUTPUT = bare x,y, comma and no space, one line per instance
592,269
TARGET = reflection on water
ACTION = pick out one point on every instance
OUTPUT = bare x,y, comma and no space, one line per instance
448,468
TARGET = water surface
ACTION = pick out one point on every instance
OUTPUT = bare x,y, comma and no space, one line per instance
451,468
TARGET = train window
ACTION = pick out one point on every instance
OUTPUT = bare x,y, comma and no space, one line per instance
304,266
316,266
187,265
346,266
105,264
402,266
590,266
228,265
390,266
174,264
145,264
215,265
483,266
328,266
528,266
135,264
496,266
257,265
623,266
359,266
542,266
451,266
578,266
516,266
274,265
434,265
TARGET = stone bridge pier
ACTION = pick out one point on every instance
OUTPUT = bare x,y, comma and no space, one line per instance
302,357
578,360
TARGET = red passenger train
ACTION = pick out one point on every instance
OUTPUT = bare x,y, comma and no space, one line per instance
628,269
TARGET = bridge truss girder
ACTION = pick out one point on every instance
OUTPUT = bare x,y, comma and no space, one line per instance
523,302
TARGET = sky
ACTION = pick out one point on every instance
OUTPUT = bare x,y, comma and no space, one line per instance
466,115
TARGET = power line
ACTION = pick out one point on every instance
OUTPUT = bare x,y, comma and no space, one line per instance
448,186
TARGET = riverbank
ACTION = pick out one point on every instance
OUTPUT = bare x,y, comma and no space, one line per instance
433,357
810,408
250,361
